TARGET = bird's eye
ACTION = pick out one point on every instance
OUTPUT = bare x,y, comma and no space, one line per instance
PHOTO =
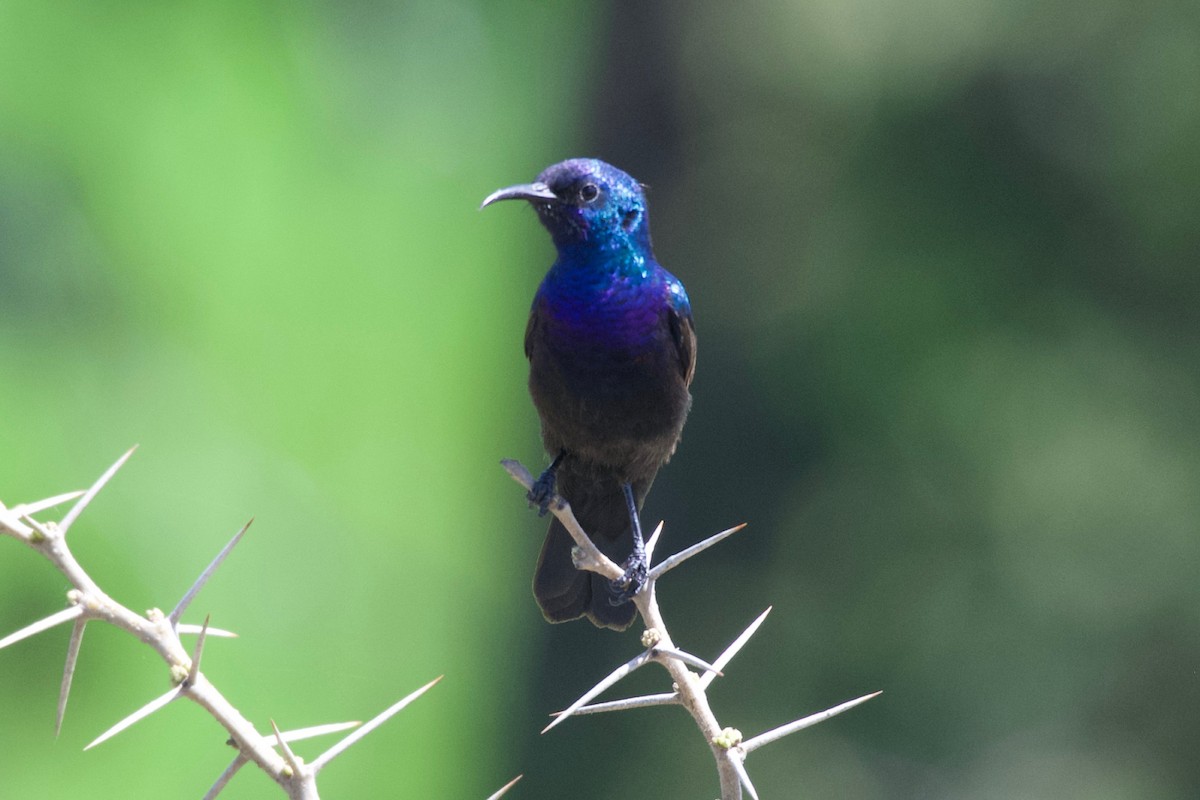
589,192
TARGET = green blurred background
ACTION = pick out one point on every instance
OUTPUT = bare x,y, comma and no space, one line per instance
944,261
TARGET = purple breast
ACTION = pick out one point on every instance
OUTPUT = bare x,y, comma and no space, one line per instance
623,314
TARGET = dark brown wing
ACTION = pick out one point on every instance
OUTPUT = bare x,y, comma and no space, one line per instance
683,332
531,329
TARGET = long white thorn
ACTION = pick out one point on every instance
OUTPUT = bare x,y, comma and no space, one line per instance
503,790
644,701
57,618
684,555
733,649
652,542
191,593
329,755
688,658
629,666
288,755
751,745
739,766
225,777
312,731
197,652
91,493
141,713
64,690
25,509
219,633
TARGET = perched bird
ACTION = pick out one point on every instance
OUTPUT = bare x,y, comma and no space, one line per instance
612,351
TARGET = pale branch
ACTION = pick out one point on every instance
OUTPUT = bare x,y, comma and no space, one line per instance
288,736
689,688
587,556
88,602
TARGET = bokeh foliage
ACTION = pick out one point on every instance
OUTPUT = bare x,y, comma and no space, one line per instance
943,259
244,236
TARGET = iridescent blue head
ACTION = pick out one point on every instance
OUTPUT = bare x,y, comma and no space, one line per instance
587,205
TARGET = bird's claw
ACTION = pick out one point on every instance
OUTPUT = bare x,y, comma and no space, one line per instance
541,495
622,589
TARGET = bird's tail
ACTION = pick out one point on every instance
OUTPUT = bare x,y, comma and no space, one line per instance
565,593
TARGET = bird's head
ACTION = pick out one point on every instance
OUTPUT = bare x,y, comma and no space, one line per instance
586,202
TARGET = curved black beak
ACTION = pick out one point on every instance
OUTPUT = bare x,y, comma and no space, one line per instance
522,191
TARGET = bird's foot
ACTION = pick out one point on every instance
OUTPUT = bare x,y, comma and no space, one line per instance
622,589
541,494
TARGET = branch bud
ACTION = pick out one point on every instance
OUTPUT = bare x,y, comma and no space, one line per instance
727,738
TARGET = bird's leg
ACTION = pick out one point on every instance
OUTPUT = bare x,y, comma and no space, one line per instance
542,493
629,584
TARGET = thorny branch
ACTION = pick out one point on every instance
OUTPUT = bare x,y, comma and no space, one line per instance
272,753
689,689
87,602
